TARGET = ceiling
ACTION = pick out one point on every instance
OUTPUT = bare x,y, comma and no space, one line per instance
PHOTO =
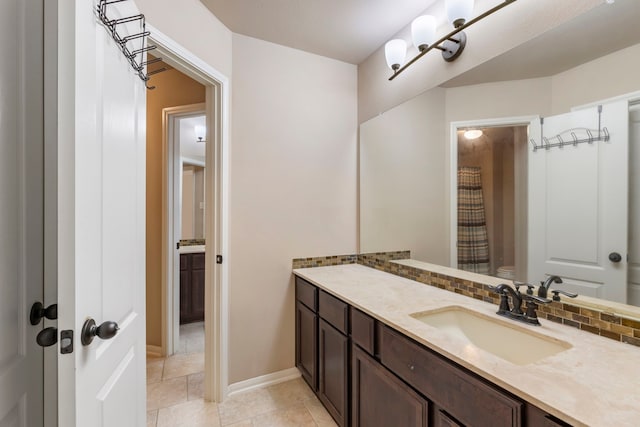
189,146
347,30
351,30
603,30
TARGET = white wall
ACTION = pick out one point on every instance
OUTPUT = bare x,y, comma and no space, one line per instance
376,94
403,180
293,189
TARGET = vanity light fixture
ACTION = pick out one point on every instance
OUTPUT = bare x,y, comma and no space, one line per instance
423,33
473,134
201,133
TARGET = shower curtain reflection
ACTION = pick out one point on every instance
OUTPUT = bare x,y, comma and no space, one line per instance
473,241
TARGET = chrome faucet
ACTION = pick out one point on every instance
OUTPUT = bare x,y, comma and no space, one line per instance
514,311
544,286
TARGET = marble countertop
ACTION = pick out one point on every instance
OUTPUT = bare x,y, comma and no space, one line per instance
594,383
191,249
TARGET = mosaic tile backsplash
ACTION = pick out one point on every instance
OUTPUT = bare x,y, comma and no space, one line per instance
603,323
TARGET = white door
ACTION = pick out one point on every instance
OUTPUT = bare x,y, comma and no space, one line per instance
101,219
578,205
21,211
634,205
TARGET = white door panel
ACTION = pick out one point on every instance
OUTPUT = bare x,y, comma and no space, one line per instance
21,211
102,262
578,204
634,205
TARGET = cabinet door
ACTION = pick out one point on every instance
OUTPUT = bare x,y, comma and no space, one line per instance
197,295
185,297
306,344
380,399
333,363
444,420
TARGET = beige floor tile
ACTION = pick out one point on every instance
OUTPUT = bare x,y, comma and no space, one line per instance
166,393
195,386
319,413
154,370
290,393
152,418
245,406
296,416
180,365
195,413
246,423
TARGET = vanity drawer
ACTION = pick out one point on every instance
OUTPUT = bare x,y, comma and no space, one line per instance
363,330
334,311
465,397
307,294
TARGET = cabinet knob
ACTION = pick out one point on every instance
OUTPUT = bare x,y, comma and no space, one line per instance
412,368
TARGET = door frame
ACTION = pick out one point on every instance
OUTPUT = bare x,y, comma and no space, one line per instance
171,223
521,250
216,207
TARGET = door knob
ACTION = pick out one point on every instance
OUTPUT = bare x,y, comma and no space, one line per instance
615,257
47,337
105,331
38,312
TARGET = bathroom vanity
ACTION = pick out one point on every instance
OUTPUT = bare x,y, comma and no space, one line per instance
192,274
381,350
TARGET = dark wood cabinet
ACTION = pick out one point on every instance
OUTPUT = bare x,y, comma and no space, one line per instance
333,371
464,396
192,276
380,399
306,344
370,375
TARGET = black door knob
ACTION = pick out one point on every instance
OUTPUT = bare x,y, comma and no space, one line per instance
615,257
38,312
47,337
105,331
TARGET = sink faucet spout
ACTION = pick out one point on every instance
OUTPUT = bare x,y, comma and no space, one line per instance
544,286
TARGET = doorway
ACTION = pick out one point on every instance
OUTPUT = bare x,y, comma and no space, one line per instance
216,207
488,194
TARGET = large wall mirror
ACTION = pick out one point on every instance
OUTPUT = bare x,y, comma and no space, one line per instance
192,159
421,178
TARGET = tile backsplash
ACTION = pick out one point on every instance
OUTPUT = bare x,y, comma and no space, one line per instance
600,322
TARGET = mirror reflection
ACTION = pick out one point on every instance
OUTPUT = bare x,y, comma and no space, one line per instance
192,154
467,204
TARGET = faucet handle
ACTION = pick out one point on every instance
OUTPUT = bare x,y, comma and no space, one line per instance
536,299
556,296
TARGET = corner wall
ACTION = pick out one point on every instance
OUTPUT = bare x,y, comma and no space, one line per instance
293,190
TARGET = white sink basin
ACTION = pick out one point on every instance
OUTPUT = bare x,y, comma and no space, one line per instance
509,342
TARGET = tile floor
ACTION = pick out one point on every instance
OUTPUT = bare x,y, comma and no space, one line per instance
175,390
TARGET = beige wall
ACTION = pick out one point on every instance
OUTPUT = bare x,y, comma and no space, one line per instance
376,94
605,77
192,25
293,190
172,89
403,179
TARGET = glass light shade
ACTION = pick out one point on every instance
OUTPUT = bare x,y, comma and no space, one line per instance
459,11
423,31
473,134
395,51
200,131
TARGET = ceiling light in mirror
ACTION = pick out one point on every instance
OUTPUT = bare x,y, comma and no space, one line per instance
459,11
423,31
473,134
395,51
201,133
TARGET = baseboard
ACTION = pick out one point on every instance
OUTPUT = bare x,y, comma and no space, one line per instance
263,381
154,350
